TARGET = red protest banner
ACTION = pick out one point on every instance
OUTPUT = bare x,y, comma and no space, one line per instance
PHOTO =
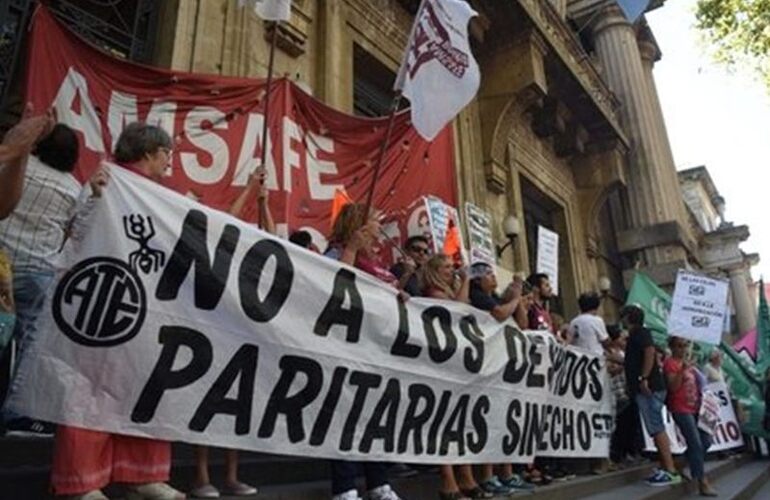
313,150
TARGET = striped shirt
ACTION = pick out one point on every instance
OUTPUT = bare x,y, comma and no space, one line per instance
34,233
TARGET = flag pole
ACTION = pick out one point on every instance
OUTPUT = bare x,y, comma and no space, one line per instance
381,155
265,123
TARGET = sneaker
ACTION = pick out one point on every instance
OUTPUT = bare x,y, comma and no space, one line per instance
205,491
515,482
91,495
494,486
348,495
239,489
655,473
665,478
27,427
384,492
153,491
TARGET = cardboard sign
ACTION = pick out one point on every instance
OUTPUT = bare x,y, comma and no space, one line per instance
698,308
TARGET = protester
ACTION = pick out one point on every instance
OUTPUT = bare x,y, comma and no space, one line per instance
303,239
684,402
647,387
483,296
437,278
32,236
539,316
258,182
16,147
713,369
587,331
352,242
483,292
85,461
202,487
417,250
626,437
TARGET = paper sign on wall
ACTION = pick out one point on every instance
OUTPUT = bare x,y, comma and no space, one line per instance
548,255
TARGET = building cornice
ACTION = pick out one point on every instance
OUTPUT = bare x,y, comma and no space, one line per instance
562,40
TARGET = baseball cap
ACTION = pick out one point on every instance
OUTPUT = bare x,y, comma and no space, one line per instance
480,269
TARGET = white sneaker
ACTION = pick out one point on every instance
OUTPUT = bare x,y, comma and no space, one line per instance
384,492
153,491
348,495
91,495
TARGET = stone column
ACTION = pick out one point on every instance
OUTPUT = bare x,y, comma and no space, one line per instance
650,54
335,59
745,310
648,181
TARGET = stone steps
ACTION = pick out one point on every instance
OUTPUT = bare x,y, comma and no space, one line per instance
738,475
25,467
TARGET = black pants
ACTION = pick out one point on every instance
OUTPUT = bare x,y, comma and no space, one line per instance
344,475
627,437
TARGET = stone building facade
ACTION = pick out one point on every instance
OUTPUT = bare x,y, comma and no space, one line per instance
566,132
720,240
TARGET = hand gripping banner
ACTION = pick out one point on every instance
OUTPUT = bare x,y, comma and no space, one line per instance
175,321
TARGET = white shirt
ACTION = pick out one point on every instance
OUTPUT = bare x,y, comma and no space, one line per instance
34,233
588,332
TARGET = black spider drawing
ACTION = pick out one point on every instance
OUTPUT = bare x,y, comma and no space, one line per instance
141,229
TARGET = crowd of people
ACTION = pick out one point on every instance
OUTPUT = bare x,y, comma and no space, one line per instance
42,205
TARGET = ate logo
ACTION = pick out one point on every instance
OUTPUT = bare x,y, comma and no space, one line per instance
432,41
100,302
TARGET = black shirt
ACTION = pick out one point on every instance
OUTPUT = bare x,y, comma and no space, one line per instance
638,341
481,300
412,286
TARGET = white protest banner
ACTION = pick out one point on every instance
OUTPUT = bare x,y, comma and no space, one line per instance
174,321
698,308
727,433
482,245
548,255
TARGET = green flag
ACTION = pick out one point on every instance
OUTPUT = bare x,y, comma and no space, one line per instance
763,331
655,303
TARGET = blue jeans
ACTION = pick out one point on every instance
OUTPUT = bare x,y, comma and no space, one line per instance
698,442
29,293
651,410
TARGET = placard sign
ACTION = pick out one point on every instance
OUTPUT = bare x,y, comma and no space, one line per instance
548,255
482,245
441,215
699,307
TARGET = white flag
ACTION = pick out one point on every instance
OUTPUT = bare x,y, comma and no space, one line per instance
439,75
271,10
